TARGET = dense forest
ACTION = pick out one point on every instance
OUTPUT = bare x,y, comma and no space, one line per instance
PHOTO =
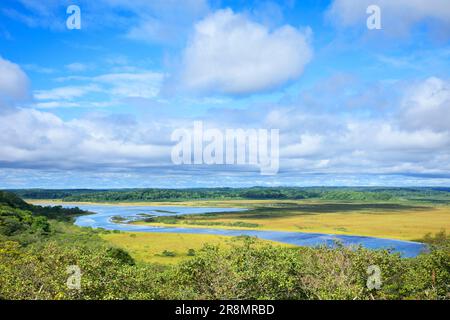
38,244
437,195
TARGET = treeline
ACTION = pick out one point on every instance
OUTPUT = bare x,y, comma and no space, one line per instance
254,193
51,194
35,253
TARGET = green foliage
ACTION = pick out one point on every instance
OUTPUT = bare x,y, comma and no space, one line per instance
11,200
58,212
27,223
357,195
16,222
441,240
120,255
50,194
246,271
40,272
35,253
253,272
428,195
167,253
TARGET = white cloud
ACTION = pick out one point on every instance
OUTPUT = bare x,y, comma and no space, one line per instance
32,138
38,69
56,104
381,136
38,14
427,105
13,81
309,145
111,86
65,93
163,21
144,20
398,16
414,138
77,67
230,54
142,85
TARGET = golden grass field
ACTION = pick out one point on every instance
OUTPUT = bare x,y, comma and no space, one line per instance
148,247
395,224
404,226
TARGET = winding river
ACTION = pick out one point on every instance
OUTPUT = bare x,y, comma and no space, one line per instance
104,214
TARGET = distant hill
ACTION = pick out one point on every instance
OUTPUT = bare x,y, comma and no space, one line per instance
12,200
422,194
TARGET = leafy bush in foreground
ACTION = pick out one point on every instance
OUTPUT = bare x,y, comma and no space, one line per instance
250,272
246,271
35,254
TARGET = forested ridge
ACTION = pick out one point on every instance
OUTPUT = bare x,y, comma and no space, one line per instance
255,193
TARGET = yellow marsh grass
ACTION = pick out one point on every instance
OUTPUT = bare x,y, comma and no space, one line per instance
404,225
148,247
396,225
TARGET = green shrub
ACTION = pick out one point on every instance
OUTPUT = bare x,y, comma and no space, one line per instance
167,253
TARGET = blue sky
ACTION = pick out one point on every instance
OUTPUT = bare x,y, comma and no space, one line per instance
95,107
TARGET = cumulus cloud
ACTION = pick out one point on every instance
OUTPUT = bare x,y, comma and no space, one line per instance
398,17
309,143
427,105
35,139
230,54
412,139
13,81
